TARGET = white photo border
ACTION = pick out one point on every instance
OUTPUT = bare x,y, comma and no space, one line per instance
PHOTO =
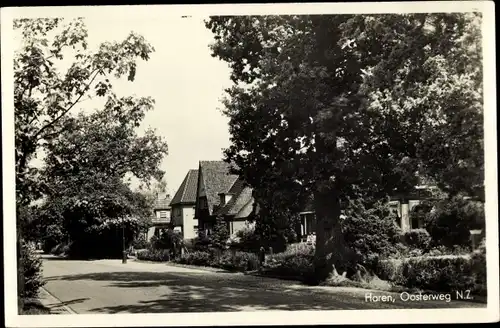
488,314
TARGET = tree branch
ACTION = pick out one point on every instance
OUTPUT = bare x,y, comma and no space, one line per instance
96,71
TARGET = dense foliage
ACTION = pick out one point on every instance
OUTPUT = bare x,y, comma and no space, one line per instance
419,239
220,233
296,262
370,231
89,155
352,106
31,265
156,255
450,221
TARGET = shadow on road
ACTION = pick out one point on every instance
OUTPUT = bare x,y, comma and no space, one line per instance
203,292
67,303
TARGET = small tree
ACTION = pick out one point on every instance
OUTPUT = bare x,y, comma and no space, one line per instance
450,222
220,234
370,230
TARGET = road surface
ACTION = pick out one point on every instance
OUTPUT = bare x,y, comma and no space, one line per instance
108,286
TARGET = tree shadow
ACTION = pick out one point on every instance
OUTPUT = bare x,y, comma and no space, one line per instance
50,257
205,292
67,303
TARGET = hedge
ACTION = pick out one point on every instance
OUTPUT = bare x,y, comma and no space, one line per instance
30,266
438,273
295,262
157,255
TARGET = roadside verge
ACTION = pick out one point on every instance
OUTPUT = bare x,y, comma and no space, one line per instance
53,303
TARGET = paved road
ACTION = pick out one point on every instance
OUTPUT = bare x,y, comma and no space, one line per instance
108,286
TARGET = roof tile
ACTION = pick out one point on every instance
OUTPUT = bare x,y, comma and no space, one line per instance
186,194
218,178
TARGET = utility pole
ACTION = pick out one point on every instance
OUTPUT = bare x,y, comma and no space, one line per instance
124,253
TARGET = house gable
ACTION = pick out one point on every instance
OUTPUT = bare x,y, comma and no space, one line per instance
186,194
214,178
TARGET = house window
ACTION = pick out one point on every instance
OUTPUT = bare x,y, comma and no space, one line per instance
163,214
203,203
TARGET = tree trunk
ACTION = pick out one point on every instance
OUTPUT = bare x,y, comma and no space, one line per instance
331,250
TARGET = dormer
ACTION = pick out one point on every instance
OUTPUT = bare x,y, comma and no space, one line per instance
224,198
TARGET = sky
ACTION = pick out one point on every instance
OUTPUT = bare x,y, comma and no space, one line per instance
185,81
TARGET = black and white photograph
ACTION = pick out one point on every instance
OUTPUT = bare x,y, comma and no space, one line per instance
249,164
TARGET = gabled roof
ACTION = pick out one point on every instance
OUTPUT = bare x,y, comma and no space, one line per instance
242,195
162,204
186,194
217,179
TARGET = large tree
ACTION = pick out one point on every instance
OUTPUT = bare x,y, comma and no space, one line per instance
350,106
45,91
87,164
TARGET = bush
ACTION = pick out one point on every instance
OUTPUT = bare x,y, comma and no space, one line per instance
371,233
418,239
200,258
140,242
247,239
220,233
157,255
31,271
52,236
168,239
450,222
60,249
437,273
238,261
478,260
202,242
296,261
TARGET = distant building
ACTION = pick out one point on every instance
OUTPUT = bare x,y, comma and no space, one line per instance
183,206
215,182
223,194
162,216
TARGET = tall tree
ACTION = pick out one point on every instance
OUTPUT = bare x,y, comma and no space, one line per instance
86,166
44,93
340,105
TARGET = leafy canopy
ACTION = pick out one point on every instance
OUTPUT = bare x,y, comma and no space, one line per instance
46,88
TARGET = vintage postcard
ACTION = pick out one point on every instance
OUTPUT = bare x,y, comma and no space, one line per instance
252,164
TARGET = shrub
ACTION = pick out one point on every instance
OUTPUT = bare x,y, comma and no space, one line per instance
452,219
202,242
140,242
31,271
418,239
247,240
52,236
478,260
60,249
370,232
220,233
168,239
296,261
157,255
238,261
438,273
445,273
439,250
390,269
196,258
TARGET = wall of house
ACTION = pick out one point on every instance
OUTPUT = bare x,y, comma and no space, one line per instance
190,225
176,215
235,226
